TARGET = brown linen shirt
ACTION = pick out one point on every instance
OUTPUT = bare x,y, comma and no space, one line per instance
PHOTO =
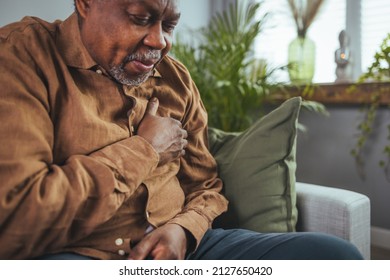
74,175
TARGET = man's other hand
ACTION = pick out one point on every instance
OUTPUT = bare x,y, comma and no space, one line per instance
168,242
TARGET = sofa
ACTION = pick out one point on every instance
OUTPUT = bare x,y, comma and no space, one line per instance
258,168
335,211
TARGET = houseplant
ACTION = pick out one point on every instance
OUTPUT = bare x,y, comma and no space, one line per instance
232,82
379,71
301,51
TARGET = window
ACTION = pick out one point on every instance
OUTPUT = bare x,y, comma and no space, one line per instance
366,32
375,26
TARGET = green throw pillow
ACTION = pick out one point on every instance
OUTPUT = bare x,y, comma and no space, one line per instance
258,168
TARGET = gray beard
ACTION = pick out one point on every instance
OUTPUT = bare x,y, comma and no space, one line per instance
119,74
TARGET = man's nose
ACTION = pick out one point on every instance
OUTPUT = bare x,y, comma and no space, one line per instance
155,38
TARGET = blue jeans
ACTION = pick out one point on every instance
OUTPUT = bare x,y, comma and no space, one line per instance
239,244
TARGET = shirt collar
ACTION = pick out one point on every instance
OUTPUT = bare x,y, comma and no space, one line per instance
70,44
156,74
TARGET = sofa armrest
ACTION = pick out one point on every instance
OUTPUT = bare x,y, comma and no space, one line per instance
339,212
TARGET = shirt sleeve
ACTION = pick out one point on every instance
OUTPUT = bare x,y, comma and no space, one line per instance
45,206
198,172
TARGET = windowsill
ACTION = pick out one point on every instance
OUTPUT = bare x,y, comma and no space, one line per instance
338,94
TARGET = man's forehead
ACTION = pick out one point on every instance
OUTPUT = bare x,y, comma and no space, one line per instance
161,5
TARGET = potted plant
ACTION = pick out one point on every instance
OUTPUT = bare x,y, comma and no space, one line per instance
379,71
232,82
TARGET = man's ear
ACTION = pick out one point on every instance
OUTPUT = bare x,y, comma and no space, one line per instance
83,7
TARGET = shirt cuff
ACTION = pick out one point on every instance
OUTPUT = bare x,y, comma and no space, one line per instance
194,223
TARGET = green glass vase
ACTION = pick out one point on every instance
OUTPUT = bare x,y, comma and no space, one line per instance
301,59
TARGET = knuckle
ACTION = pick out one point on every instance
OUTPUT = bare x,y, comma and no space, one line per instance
176,122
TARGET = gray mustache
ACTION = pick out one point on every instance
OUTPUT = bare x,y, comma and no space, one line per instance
151,54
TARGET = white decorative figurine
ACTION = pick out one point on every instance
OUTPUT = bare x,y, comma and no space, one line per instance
343,60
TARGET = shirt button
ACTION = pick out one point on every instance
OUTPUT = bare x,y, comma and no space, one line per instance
147,214
119,242
121,253
99,71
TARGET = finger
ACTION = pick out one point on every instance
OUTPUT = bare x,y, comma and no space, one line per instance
178,146
152,106
141,250
176,122
160,253
184,143
181,133
185,134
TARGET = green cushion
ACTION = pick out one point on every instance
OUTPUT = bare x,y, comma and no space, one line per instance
258,168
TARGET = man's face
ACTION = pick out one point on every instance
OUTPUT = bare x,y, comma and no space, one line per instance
128,37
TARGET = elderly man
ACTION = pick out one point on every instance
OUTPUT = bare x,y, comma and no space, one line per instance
103,149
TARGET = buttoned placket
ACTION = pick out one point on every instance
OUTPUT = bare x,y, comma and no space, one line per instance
131,115
123,246
131,112
99,70
133,93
